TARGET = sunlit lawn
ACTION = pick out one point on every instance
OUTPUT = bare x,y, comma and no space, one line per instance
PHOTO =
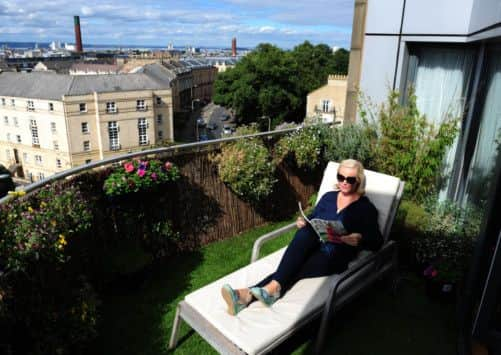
138,314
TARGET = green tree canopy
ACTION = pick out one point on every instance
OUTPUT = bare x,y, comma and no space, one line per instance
273,82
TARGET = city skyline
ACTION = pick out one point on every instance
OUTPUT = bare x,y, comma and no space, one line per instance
198,23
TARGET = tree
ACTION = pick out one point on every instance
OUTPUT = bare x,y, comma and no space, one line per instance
273,82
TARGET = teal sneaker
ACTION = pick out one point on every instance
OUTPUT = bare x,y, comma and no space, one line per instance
262,295
232,300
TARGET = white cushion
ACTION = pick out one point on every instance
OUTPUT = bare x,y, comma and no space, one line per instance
254,328
381,189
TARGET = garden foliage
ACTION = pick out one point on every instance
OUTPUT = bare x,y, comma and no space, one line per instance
246,166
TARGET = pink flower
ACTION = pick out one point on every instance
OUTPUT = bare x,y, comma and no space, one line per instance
434,273
153,176
129,167
168,165
141,172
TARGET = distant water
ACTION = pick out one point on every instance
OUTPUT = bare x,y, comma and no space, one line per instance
45,45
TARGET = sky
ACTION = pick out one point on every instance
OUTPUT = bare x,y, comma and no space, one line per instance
284,23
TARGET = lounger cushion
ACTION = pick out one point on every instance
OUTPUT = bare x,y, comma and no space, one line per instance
257,326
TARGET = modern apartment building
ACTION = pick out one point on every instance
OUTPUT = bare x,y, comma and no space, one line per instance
51,122
449,51
328,101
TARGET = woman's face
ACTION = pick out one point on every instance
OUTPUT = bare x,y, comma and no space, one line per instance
347,174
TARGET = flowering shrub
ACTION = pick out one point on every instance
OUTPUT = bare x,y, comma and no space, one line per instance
446,241
304,145
39,228
246,166
138,175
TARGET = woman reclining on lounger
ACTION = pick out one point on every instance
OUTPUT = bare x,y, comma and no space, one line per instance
306,256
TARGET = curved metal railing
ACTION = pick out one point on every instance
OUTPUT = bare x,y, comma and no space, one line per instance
171,149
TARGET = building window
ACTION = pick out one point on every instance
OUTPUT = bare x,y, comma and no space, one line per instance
56,145
111,107
38,159
86,146
12,102
113,135
7,154
87,161
25,157
16,124
51,106
85,127
325,105
160,134
53,127
58,163
41,176
30,176
140,105
159,119
30,105
3,101
34,133
6,120
8,137
83,107
18,138
159,100
141,127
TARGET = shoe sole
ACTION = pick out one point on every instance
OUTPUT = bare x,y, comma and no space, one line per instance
229,301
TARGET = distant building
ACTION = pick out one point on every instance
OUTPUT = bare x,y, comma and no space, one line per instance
328,101
93,69
51,122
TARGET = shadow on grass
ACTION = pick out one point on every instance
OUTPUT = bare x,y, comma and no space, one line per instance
137,313
379,323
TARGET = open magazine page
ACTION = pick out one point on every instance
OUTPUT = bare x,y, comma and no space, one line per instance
327,230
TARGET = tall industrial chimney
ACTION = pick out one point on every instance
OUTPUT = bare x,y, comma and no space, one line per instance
234,47
78,35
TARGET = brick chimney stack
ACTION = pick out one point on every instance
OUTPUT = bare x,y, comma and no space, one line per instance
234,47
78,35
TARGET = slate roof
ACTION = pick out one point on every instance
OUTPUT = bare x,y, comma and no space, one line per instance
52,86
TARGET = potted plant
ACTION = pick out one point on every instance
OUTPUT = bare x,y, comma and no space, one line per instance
446,244
139,175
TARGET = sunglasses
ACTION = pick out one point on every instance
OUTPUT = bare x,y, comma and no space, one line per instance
349,179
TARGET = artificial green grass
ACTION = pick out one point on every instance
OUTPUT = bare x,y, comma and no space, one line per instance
137,318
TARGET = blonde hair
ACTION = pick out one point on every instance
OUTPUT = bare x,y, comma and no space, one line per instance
352,163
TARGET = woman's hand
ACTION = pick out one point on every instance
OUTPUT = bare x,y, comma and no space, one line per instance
352,239
300,222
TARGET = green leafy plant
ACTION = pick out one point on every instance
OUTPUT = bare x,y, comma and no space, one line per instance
40,228
304,146
137,175
446,240
352,141
246,167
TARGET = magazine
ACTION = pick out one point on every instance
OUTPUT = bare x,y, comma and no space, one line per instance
327,230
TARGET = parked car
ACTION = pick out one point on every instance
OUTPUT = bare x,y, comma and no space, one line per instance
204,137
200,122
225,118
6,183
211,126
227,129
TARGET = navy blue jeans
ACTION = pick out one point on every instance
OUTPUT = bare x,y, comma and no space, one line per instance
307,257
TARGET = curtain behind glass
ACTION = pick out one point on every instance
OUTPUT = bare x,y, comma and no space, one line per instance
488,143
440,82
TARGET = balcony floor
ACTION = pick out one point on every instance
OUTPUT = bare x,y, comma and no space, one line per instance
138,313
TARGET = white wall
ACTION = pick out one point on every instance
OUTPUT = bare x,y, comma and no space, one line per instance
437,16
378,66
383,16
484,14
